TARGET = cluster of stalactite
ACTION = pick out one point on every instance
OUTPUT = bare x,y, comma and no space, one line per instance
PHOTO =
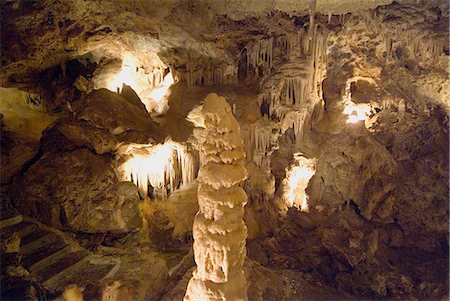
294,91
299,120
258,140
140,78
306,42
209,75
289,97
417,42
260,56
155,76
417,35
158,170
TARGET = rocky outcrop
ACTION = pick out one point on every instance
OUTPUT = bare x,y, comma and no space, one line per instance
356,158
110,29
74,184
103,121
14,153
77,190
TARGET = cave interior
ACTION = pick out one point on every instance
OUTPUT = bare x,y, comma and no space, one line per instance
224,150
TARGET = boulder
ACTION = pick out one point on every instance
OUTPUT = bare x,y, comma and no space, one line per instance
78,190
74,183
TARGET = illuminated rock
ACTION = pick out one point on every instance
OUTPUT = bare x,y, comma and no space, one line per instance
297,179
158,169
219,230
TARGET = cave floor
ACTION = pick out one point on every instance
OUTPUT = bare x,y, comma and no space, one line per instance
50,260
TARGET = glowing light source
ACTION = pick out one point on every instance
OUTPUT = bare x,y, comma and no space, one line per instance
297,180
152,88
157,99
356,112
125,75
159,169
159,92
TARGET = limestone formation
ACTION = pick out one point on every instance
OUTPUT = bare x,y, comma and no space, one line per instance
219,229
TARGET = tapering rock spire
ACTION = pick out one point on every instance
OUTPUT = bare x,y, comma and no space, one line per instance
219,229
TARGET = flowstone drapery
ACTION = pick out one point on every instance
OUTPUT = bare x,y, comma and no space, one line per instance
219,230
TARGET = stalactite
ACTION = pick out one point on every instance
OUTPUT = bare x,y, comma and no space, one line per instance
319,59
155,76
262,134
295,91
418,40
388,46
209,75
257,137
293,99
260,55
312,12
161,168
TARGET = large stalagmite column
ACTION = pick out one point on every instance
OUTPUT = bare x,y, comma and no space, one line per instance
219,229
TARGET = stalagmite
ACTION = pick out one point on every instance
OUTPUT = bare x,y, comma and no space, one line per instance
219,230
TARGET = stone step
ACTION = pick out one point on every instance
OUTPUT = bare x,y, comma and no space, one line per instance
31,247
33,236
60,267
23,229
47,256
44,252
57,281
49,260
10,221
86,274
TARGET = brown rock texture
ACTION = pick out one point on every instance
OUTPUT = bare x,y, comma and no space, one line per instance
74,184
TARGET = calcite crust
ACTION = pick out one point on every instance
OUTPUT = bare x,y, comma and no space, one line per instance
219,229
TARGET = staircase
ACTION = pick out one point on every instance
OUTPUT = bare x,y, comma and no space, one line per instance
51,258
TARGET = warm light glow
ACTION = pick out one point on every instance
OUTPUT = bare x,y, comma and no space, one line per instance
304,204
159,169
297,180
356,112
158,98
23,113
159,92
153,89
125,75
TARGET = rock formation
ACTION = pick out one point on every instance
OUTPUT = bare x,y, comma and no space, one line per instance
219,229
87,195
